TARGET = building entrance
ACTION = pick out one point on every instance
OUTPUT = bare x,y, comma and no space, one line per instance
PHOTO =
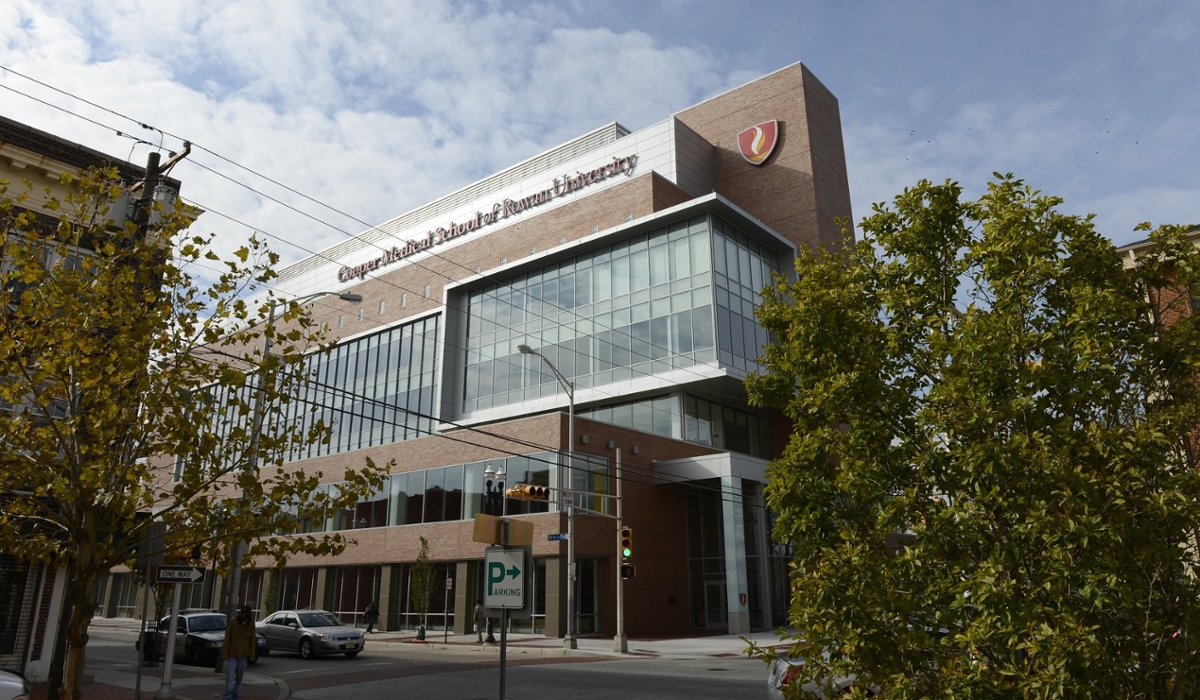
716,613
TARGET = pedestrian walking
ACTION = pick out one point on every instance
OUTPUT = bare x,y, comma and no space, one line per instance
478,621
371,615
239,649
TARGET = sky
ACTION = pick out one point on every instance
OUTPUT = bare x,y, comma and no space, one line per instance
371,109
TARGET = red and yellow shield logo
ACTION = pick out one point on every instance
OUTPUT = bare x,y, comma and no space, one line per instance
757,142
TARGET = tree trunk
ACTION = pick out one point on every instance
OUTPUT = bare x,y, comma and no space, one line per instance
83,607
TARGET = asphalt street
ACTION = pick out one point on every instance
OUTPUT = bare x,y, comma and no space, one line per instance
467,673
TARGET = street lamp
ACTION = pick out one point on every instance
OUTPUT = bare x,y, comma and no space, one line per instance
569,640
239,549
493,504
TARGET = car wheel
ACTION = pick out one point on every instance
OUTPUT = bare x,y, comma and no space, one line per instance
351,654
191,656
265,652
306,649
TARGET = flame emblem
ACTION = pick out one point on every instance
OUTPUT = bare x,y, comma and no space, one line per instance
758,142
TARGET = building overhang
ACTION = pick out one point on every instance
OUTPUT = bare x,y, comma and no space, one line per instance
733,464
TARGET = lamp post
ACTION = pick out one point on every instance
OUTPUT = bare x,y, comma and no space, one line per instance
569,641
259,411
493,504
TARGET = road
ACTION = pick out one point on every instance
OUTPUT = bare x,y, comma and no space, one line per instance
384,672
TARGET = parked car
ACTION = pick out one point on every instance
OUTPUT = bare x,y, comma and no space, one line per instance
198,638
784,671
13,686
310,633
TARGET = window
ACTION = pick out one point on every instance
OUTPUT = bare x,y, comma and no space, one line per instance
341,320
380,307
426,291
360,314
403,299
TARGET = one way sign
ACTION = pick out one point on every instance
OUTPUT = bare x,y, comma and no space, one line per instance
505,572
179,574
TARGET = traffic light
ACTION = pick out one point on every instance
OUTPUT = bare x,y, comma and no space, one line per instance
628,570
529,492
626,543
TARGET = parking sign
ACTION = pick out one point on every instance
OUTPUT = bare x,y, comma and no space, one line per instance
504,575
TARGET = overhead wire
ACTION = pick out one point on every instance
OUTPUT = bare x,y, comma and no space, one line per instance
473,429
372,228
574,313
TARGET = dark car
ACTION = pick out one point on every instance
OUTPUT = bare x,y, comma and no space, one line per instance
311,633
198,638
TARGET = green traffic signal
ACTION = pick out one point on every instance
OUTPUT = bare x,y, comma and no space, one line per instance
626,552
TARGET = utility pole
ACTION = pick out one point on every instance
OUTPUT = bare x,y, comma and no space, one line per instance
620,643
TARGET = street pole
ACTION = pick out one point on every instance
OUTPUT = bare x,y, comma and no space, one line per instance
258,418
569,641
620,643
164,690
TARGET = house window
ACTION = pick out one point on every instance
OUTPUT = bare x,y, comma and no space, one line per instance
381,307
426,291
403,299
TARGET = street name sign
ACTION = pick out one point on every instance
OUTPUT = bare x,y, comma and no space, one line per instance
557,537
504,570
179,574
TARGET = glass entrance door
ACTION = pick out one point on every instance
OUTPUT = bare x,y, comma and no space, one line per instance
715,613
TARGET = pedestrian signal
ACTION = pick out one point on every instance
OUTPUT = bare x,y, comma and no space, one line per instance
530,492
628,570
627,542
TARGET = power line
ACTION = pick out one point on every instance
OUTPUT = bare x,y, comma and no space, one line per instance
651,473
371,227
572,312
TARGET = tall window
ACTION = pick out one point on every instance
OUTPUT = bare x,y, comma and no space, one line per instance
742,267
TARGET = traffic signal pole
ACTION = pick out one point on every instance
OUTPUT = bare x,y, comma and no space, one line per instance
620,643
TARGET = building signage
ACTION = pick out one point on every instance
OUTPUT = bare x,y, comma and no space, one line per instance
498,212
757,142
504,571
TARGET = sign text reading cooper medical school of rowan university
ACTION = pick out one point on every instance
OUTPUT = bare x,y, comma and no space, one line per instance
500,210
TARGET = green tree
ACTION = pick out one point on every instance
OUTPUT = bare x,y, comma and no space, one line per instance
422,584
991,483
114,359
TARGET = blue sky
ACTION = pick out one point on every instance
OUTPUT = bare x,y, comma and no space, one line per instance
377,107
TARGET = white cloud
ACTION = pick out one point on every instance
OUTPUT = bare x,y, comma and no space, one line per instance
373,109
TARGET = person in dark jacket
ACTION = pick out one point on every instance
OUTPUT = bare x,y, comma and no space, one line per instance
371,615
239,649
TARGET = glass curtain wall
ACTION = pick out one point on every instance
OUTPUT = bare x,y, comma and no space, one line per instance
374,390
298,589
637,307
742,267
354,587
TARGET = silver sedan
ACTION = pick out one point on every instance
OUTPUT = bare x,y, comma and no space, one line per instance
310,633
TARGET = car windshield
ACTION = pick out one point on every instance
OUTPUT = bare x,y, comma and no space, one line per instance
207,623
319,620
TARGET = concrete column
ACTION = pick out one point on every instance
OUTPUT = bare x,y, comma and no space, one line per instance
556,597
737,590
385,596
464,598
323,588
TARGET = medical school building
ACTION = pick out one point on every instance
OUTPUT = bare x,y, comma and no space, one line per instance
633,263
